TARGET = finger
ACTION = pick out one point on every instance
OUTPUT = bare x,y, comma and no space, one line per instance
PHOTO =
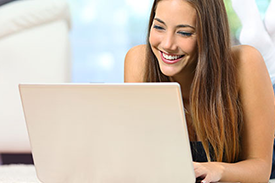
207,179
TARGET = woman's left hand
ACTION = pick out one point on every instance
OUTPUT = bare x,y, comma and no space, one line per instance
208,172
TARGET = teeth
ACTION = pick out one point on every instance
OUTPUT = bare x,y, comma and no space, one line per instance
169,57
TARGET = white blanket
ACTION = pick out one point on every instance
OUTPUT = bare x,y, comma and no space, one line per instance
18,174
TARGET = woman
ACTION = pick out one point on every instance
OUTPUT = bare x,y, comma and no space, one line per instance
227,93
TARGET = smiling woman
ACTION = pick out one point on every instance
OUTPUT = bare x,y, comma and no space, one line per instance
173,39
189,43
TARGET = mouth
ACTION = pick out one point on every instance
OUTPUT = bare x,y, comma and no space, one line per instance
170,59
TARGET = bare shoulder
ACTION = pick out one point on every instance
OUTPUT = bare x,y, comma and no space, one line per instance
252,74
255,87
134,64
249,62
247,56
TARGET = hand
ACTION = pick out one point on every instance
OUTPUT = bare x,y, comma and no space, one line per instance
209,172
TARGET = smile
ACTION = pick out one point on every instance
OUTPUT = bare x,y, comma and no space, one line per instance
170,59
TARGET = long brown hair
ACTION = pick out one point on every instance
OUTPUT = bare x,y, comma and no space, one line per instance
215,107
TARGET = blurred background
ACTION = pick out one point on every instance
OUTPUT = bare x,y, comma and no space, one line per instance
103,31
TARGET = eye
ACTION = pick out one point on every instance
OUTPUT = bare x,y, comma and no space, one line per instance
158,27
185,34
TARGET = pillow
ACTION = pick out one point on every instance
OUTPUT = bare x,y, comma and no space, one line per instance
2,2
31,13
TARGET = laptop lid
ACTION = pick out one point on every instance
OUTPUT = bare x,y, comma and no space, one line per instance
108,133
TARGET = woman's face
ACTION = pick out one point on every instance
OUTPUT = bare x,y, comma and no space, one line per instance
173,36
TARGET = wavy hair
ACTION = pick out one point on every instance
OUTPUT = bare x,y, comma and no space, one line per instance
214,102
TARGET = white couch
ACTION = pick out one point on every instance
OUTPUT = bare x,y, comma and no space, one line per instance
34,48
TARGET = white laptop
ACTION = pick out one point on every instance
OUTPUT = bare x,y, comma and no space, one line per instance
108,133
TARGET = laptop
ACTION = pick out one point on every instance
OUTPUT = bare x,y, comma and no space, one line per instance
108,133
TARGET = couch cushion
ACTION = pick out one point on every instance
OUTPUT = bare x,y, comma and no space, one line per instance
19,15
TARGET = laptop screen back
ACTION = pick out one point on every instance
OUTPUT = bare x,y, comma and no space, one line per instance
108,132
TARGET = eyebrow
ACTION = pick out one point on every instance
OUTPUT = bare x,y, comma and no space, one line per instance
178,26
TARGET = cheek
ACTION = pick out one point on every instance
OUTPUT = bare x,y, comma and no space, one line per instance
189,46
154,38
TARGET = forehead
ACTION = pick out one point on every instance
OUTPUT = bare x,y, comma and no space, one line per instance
176,12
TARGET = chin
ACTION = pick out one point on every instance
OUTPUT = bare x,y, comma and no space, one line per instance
169,71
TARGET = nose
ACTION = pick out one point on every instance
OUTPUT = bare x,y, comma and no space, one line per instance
169,42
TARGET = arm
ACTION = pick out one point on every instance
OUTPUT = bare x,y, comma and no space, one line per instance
256,95
134,64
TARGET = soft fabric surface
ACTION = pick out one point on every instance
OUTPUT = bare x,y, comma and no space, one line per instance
18,174
27,14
